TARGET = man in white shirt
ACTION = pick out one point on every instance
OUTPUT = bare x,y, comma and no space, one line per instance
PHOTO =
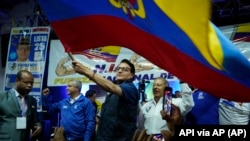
151,118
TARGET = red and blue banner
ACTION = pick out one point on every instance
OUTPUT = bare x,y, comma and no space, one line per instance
174,35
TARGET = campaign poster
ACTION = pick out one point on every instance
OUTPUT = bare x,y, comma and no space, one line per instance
27,51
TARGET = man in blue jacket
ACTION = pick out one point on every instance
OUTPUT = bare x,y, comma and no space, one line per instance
77,113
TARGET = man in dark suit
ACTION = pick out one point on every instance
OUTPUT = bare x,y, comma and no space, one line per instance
18,111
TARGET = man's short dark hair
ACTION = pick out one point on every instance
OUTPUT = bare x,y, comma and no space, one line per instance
132,67
90,93
20,74
24,41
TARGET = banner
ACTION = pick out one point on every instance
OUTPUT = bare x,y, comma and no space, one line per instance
103,60
27,51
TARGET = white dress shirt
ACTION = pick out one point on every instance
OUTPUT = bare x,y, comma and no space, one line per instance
151,117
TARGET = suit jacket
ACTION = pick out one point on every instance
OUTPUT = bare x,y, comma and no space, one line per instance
10,110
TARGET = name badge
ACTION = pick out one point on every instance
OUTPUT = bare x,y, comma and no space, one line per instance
21,123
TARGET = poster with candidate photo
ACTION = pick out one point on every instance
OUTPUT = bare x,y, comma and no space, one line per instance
27,51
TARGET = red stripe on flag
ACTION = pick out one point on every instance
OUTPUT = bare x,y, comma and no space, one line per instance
98,31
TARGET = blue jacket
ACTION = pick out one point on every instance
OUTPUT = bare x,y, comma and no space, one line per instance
205,111
77,119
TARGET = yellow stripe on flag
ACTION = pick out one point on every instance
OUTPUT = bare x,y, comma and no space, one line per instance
193,17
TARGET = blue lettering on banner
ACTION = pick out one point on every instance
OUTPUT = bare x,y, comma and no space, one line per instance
100,68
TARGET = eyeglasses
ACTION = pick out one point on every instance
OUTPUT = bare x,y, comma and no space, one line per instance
23,49
122,68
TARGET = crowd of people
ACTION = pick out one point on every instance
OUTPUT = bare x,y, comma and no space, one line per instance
120,116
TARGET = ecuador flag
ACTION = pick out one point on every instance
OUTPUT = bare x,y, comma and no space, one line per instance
176,35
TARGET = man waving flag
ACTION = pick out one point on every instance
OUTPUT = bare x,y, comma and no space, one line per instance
176,35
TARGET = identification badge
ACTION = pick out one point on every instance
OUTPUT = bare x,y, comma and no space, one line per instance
21,123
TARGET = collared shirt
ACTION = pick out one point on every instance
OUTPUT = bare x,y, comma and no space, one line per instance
151,116
152,119
16,92
72,100
22,103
